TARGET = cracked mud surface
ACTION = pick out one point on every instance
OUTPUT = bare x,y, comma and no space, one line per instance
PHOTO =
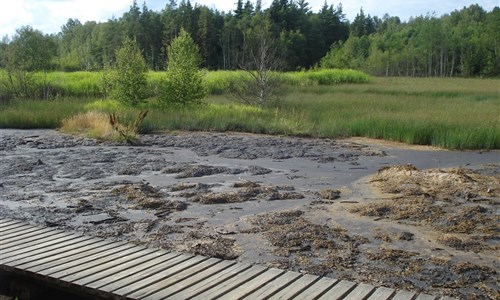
350,209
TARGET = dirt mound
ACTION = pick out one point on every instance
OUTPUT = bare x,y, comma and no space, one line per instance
454,201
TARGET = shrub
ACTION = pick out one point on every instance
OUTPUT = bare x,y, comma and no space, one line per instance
184,83
130,76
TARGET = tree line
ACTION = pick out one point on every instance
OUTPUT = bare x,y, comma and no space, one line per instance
465,42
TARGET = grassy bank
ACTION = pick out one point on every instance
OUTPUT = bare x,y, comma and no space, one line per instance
93,84
448,113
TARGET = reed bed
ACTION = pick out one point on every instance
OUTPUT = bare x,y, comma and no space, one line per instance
443,112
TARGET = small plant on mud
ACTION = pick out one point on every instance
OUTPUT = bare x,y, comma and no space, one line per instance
129,131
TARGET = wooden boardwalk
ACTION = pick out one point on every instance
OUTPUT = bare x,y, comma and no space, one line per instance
105,269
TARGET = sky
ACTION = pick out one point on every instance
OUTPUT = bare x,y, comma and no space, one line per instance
49,15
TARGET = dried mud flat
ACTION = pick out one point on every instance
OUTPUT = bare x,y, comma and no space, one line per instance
420,219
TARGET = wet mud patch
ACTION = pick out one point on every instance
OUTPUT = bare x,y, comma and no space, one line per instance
307,246
235,193
146,197
193,170
212,245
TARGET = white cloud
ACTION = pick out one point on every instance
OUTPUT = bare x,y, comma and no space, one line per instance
13,14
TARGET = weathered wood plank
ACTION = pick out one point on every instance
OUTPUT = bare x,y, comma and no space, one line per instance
30,238
167,278
165,270
10,224
37,245
404,295
16,225
21,233
199,286
77,258
339,290
232,283
161,287
70,257
109,267
274,286
447,298
191,278
130,276
296,288
382,293
360,292
35,254
253,285
425,297
110,274
87,264
318,288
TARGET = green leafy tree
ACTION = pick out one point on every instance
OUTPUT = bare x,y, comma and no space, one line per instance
130,77
28,52
184,84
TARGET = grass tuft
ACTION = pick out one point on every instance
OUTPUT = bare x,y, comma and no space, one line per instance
93,124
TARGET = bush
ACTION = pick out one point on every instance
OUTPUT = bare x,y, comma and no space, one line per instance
130,76
184,83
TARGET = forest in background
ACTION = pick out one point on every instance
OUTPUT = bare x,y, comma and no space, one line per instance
462,43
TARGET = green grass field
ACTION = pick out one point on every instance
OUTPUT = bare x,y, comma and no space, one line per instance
443,112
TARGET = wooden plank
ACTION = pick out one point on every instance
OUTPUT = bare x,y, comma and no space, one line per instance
111,274
59,261
86,263
404,295
318,288
3,220
30,238
253,285
17,226
16,248
232,283
10,225
382,293
425,297
199,286
447,298
18,233
200,272
106,267
360,292
78,257
204,263
169,277
26,255
38,245
165,271
274,286
339,290
296,288
128,277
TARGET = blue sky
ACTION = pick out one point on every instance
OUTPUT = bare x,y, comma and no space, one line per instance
49,15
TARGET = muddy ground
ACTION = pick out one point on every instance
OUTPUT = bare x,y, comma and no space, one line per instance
414,218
